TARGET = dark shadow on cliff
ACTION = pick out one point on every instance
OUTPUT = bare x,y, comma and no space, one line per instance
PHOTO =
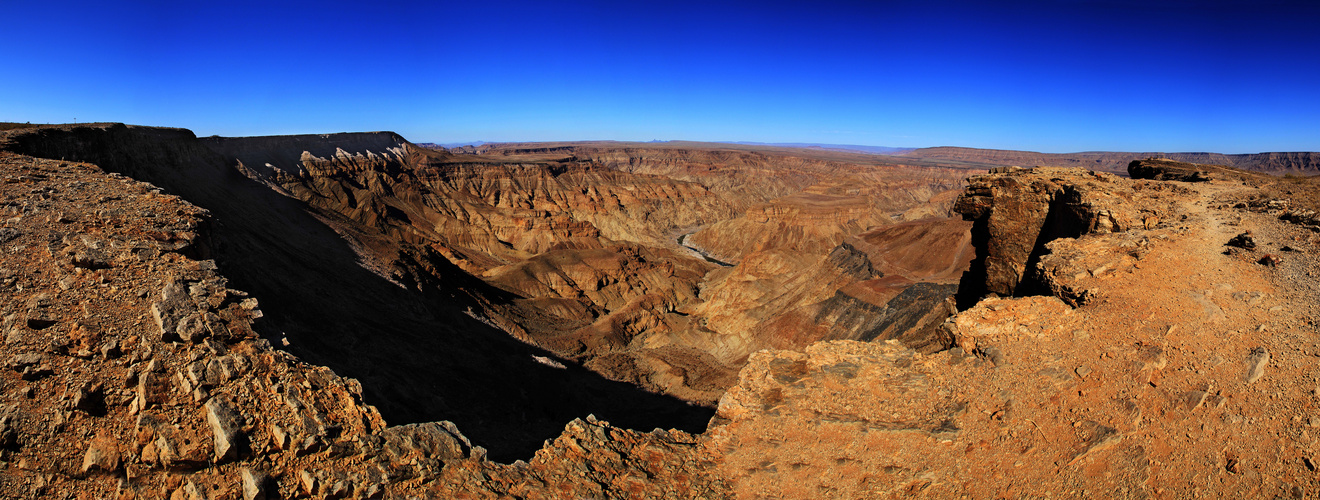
1064,218
971,287
1062,221
419,358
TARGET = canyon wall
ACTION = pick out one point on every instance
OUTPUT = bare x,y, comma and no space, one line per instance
582,242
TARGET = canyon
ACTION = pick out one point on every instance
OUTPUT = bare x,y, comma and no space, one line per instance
357,316
581,252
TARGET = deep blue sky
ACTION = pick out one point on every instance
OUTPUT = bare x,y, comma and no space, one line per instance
1069,75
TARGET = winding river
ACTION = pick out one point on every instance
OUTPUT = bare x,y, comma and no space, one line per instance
682,240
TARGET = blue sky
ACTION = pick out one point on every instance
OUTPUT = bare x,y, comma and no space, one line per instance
1068,75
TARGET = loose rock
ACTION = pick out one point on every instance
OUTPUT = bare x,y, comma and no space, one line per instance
102,454
254,484
224,422
1256,362
1244,240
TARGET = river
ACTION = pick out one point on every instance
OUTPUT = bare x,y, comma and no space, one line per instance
682,240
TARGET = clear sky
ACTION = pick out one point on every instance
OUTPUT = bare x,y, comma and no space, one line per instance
1059,76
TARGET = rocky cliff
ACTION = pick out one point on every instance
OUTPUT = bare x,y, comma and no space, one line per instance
364,276
747,175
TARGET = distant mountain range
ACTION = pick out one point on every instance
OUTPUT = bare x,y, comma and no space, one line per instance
1112,161
1277,163
448,145
879,150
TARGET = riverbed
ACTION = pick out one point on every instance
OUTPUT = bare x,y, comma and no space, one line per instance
682,241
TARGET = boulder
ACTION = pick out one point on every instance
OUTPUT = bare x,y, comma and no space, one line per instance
8,429
20,361
1163,169
179,448
1244,241
1257,360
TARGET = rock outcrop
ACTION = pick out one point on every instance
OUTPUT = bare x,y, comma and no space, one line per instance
1164,169
160,371
1015,213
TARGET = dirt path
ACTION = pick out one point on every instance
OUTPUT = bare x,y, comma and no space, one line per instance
1231,408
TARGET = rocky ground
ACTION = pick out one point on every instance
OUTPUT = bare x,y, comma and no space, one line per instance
133,371
1188,371
1118,338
